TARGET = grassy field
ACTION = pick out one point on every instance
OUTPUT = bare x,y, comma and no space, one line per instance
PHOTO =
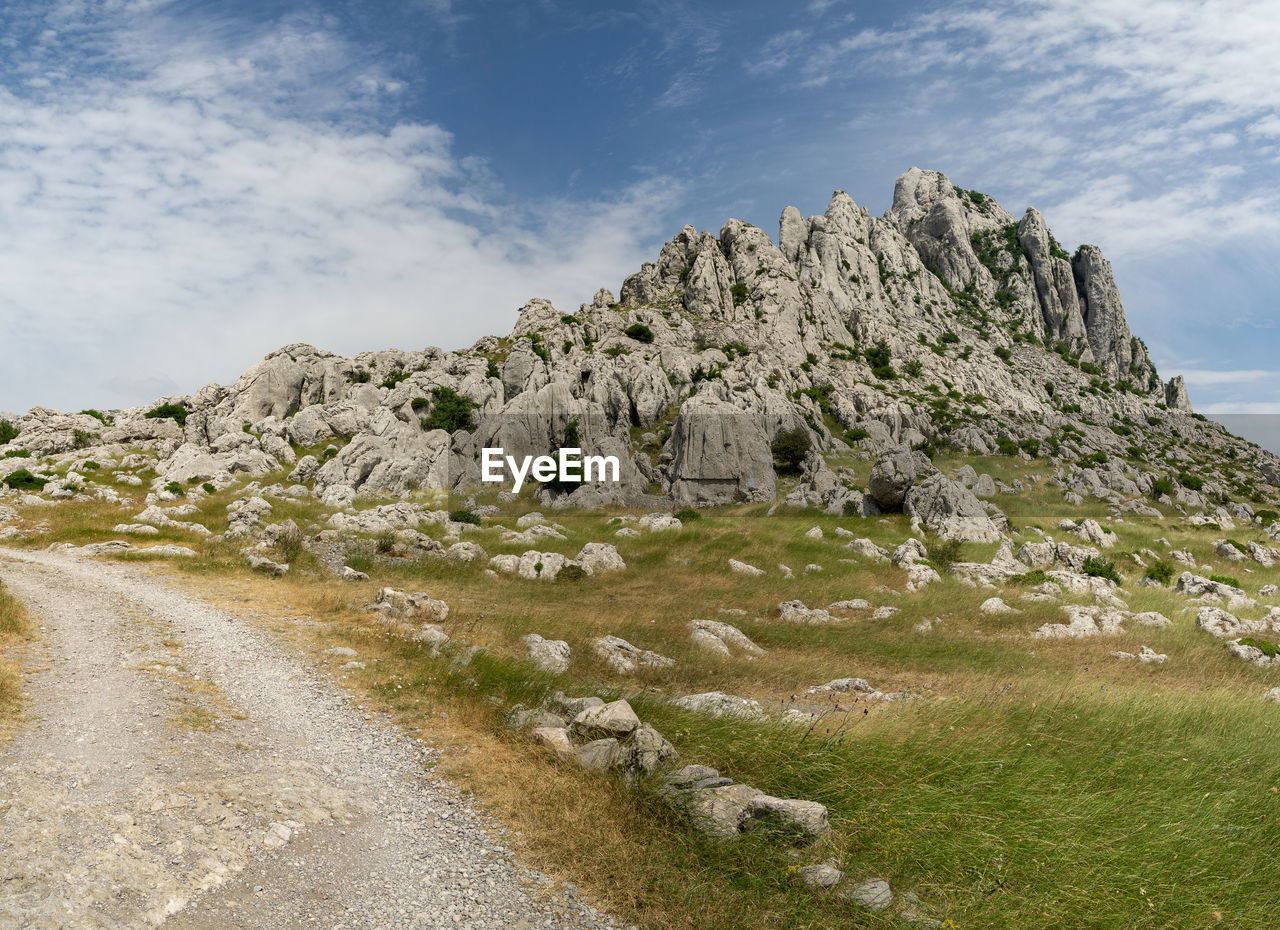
1025,783
13,630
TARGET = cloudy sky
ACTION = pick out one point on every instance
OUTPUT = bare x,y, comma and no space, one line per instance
186,185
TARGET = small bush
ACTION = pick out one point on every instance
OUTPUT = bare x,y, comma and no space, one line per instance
8,432
329,452
356,554
1267,517
857,434
1227,580
790,448
361,376
175,489
419,404
879,357
1003,354
1269,649
1191,482
90,466
464,516
385,541
96,414
82,438
639,332
208,488
23,480
175,412
914,368
944,553
571,573
290,544
852,508
1006,446
394,377
1098,567
687,515
450,411
739,292
1030,446
1162,487
1033,577
1160,571
492,370
18,454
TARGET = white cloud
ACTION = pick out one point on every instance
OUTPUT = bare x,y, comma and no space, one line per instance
1203,376
170,227
1131,117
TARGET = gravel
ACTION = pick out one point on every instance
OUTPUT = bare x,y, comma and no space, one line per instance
297,809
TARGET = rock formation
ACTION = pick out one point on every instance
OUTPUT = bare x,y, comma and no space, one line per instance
946,323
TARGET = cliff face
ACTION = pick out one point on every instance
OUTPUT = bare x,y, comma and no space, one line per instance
946,323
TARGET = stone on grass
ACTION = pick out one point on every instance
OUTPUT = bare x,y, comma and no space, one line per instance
719,704
804,819
555,739
549,655
871,895
615,719
797,612
624,658
721,638
821,875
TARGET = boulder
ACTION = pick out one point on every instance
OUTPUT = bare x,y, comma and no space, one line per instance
616,720
950,510
549,655
719,704
721,455
624,658
721,639
600,557
893,474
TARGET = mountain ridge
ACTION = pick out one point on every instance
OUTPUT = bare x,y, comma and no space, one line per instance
946,323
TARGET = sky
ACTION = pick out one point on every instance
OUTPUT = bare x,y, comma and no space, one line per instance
186,186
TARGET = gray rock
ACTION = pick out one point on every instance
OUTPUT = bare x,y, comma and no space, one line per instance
821,875
719,704
616,720
950,510
549,655
804,819
872,895
893,474
722,455
624,658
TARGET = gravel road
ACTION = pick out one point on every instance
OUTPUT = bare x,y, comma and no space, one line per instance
120,806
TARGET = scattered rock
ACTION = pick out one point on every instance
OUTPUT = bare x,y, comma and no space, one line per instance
721,638
719,704
623,657
549,655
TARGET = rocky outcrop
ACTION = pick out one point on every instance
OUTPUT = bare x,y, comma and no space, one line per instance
950,510
721,455
945,323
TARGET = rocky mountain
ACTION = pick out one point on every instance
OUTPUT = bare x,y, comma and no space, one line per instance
946,324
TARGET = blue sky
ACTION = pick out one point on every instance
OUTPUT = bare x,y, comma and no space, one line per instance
185,186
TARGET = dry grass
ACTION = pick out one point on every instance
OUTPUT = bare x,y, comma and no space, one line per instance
14,629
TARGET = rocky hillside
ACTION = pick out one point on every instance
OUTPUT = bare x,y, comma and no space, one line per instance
946,324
